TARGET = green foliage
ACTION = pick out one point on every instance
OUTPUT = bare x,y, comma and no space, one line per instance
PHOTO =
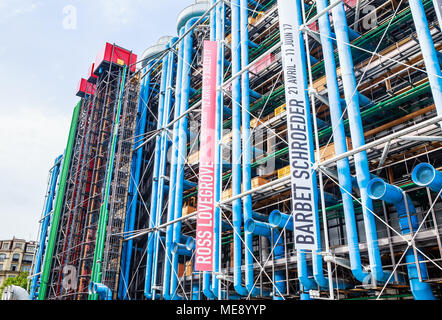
20,281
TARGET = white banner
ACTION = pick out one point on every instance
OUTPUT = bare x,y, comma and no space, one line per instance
298,117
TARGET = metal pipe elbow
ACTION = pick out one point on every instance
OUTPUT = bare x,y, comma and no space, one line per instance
425,175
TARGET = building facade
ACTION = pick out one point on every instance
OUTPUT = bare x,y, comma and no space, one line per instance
16,256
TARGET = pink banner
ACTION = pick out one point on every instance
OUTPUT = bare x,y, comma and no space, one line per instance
206,185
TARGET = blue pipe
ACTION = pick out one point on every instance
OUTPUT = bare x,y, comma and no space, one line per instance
165,144
152,238
44,226
429,53
165,94
195,292
247,144
265,230
137,160
339,138
425,175
173,174
281,220
103,292
181,249
357,135
182,147
378,189
236,149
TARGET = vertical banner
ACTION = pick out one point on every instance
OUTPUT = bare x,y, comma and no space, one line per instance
206,184
300,155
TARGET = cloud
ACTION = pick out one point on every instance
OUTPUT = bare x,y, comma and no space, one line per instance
28,138
120,12
10,9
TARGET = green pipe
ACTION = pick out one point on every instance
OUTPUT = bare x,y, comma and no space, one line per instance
104,211
58,204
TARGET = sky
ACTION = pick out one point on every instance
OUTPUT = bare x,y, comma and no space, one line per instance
46,48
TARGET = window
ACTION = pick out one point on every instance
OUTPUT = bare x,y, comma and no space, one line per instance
16,257
18,246
5,246
1,266
11,276
26,269
30,249
13,267
27,258
2,257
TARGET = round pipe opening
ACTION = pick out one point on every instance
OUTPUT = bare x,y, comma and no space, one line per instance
275,218
250,225
376,188
423,174
190,243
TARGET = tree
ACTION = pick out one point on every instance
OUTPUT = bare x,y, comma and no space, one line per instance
21,281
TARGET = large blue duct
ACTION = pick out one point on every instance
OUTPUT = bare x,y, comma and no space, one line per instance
339,138
133,185
103,292
167,100
281,220
153,237
425,175
357,136
429,53
246,144
182,148
265,230
173,174
164,107
236,149
379,189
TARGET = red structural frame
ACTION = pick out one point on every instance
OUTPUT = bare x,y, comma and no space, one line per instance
117,55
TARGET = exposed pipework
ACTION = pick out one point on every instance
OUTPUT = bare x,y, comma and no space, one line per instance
58,206
379,189
182,147
246,144
425,175
167,100
44,226
136,173
429,53
236,149
265,230
339,139
100,290
153,237
357,136
173,175
171,74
